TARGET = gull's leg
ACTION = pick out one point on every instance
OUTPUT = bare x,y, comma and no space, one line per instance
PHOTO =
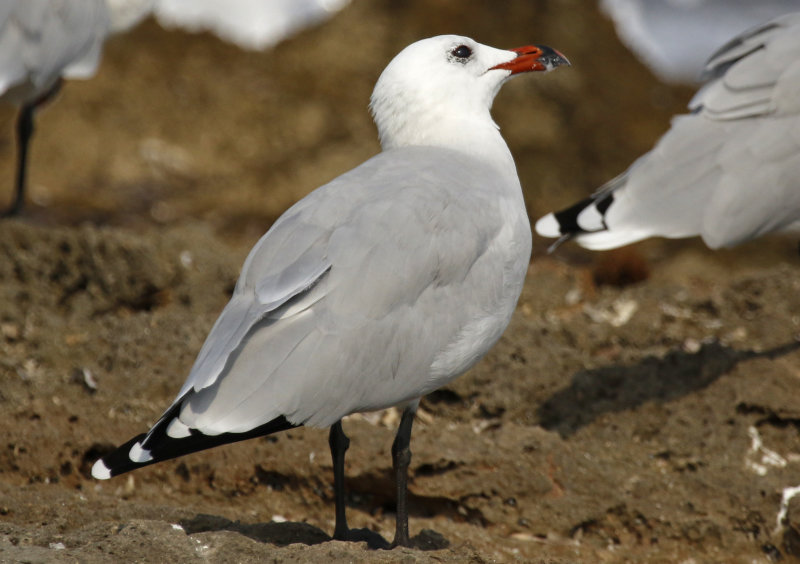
25,128
339,444
24,133
401,458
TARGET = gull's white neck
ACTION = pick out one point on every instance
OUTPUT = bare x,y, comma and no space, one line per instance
476,135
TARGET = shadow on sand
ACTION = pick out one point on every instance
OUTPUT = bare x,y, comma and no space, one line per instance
618,388
286,533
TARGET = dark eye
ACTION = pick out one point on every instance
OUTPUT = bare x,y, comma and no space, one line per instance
462,52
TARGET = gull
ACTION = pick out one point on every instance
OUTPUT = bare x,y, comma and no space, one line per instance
675,37
378,287
729,171
44,41
249,24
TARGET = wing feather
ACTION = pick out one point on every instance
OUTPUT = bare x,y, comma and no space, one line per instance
370,292
747,76
318,282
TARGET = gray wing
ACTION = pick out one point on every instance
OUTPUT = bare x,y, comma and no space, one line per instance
285,264
728,172
41,40
755,74
345,303
728,182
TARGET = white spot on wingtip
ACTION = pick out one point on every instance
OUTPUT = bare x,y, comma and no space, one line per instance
590,219
177,429
548,226
100,471
139,455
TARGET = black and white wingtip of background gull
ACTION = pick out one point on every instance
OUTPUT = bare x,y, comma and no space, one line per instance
43,41
729,171
378,287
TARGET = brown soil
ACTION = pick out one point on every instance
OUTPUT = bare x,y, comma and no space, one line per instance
612,422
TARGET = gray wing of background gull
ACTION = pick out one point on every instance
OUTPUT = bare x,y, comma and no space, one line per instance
676,37
729,171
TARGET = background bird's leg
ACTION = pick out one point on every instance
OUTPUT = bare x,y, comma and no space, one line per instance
339,444
24,133
401,458
25,128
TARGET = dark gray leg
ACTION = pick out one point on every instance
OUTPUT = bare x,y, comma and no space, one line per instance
339,444
25,129
401,458
24,133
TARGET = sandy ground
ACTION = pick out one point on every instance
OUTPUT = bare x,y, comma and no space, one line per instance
652,421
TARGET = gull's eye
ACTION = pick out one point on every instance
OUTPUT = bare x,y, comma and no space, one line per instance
462,52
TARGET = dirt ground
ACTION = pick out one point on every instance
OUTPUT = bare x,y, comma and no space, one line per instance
640,407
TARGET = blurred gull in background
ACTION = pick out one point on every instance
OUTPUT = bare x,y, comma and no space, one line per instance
676,37
44,41
729,171
250,24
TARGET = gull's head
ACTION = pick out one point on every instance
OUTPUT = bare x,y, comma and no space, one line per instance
441,87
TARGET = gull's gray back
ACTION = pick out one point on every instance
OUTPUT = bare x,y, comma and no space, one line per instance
375,289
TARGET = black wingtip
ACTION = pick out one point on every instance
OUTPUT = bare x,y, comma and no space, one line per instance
568,217
162,447
118,462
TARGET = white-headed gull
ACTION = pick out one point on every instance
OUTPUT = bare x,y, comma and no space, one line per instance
729,171
376,288
43,41
675,37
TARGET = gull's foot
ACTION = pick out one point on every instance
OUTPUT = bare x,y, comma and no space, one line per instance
12,211
427,539
373,539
